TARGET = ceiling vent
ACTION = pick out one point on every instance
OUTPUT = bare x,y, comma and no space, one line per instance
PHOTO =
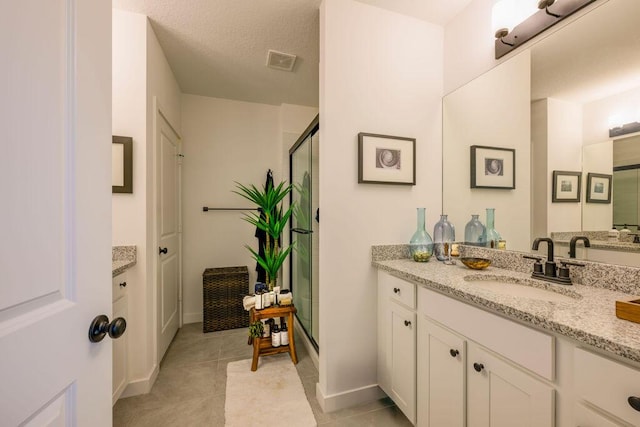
280,61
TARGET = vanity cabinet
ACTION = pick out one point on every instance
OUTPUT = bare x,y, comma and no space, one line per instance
473,367
120,345
608,386
397,342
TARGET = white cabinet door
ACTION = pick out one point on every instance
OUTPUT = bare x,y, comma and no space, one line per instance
501,395
402,353
441,376
587,417
120,347
55,180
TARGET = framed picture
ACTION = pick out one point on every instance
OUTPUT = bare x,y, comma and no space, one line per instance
121,164
493,167
598,188
384,159
566,186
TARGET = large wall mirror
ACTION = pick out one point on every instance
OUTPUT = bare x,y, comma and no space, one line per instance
579,81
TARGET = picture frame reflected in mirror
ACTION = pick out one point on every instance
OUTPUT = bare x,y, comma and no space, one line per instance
566,187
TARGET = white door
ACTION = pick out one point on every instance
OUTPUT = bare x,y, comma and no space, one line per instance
55,187
168,220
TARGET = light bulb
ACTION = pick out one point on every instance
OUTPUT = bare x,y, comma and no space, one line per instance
506,14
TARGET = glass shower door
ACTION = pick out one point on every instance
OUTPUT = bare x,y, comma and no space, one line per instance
304,236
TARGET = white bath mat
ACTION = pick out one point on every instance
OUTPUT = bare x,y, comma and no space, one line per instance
271,396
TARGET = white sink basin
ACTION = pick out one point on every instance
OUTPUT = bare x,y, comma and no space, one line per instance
510,288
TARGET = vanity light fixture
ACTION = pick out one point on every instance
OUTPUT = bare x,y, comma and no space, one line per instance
530,23
624,129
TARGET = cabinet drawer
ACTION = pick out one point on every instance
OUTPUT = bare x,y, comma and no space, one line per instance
118,286
397,289
607,384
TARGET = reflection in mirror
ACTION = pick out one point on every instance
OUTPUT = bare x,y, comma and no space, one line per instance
585,79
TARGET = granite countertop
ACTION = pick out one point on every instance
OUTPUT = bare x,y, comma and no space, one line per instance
589,317
122,259
603,244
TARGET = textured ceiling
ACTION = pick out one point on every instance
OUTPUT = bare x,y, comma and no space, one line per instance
218,48
592,58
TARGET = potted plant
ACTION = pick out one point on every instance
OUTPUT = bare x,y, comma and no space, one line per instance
272,220
256,329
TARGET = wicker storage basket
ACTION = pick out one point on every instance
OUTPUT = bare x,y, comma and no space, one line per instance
222,293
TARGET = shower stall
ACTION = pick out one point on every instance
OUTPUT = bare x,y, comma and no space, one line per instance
303,169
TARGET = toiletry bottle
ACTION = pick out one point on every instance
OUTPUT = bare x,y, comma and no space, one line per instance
624,233
613,235
284,334
275,336
258,303
265,328
266,300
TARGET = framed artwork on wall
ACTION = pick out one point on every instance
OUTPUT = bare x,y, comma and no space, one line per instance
598,188
493,167
121,164
384,159
566,186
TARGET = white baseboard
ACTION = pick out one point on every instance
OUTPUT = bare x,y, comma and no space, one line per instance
349,398
141,386
192,317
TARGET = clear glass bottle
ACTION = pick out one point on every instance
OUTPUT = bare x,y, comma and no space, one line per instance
443,232
473,231
421,244
491,235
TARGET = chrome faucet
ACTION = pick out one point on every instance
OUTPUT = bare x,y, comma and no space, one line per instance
549,265
572,244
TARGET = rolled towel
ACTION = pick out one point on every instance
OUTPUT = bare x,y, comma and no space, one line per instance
249,302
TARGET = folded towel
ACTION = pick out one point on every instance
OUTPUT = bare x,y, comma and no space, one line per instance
249,302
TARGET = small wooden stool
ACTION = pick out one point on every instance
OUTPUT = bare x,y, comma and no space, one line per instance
262,346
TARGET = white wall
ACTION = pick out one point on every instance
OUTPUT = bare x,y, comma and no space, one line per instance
564,153
597,158
140,73
493,110
129,211
227,141
469,45
624,106
380,72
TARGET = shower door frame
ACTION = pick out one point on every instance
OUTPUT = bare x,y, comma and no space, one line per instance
310,131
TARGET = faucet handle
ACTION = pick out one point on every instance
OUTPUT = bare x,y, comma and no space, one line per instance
636,238
537,265
576,264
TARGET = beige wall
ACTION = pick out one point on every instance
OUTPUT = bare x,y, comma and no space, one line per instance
380,72
140,73
493,110
227,141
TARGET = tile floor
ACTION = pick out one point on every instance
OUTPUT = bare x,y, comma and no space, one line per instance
190,389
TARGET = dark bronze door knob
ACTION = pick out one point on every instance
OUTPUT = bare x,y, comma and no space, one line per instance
100,327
